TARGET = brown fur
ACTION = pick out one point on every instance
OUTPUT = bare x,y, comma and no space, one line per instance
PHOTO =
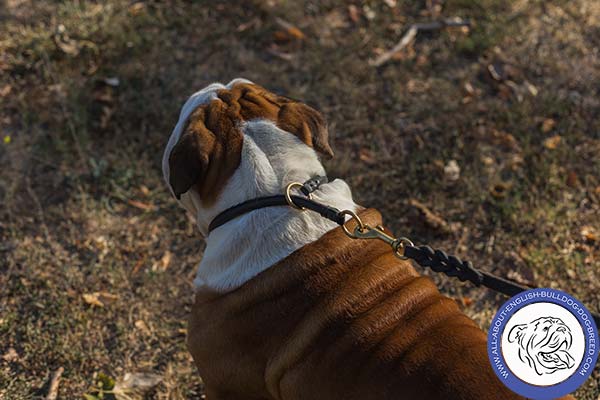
340,319
209,149
207,154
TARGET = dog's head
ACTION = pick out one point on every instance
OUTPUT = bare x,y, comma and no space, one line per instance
544,344
242,137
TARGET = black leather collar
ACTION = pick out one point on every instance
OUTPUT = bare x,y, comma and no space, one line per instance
331,213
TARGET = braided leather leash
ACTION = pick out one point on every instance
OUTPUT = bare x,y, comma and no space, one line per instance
454,267
437,260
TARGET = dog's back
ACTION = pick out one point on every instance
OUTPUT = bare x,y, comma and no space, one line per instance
341,319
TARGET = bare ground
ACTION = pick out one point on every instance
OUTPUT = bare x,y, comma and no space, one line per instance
97,262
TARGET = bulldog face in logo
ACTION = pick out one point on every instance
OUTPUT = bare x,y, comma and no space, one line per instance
544,344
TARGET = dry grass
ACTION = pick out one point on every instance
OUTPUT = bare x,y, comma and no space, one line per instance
84,209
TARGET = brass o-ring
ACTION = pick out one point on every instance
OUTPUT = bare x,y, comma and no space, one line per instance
402,242
288,196
355,217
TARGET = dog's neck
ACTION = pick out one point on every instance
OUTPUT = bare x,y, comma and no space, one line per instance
244,247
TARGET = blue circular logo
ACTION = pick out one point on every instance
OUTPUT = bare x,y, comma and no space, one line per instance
542,343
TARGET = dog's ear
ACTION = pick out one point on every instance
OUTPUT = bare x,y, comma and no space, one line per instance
188,159
516,333
207,153
307,124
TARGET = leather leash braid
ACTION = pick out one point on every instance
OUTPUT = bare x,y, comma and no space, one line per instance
403,248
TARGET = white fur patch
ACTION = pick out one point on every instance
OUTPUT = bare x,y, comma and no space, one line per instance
271,158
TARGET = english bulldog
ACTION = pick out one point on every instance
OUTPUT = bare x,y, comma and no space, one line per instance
287,306
544,344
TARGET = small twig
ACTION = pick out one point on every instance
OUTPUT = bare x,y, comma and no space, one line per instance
408,37
280,54
430,218
411,33
284,24
54,382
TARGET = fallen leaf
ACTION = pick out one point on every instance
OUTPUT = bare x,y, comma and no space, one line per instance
112,81
246,25
367,156
99,299
140,205
369,12
336,19
487,160
296,33
166,259
434,8
64,42
552,142
548,124
469,89
353,13
515,162
583,248
572,179
505,139
106,297
137,266
452,170
589,234
467,301
282,36
289,32
417,86
69,47
144,189
437,163
92,299
531,88
5,91
141,325
10,355
136,8
163,263
136,383
496,72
